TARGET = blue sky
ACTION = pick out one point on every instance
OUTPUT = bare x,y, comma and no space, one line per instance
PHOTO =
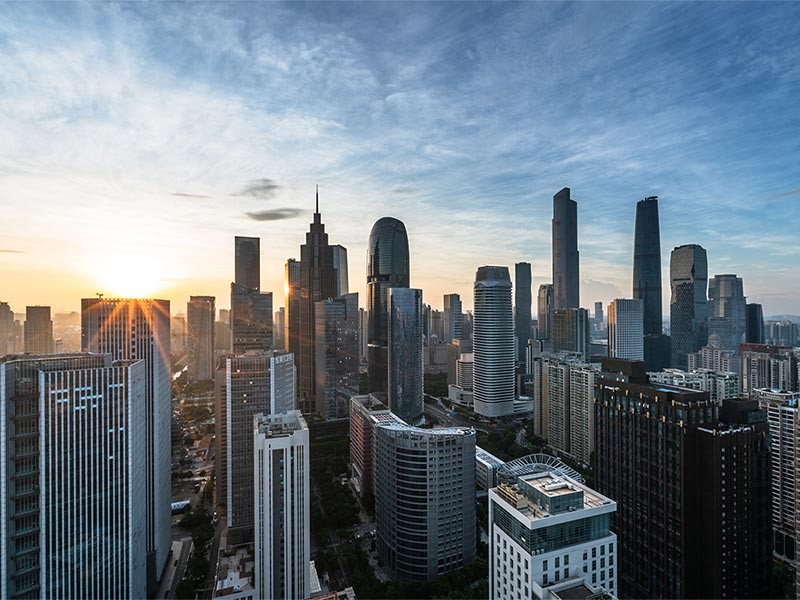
137,139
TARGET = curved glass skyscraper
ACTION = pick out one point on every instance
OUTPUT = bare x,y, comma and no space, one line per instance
405,354
647,263
387,267
493,343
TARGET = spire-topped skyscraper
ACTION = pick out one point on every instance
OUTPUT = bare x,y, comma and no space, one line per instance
317,282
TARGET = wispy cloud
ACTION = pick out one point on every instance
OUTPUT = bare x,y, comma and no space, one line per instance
185,195
260,188
275,214
6,251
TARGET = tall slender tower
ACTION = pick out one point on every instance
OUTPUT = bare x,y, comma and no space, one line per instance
453,318
405,383
493,343
340,266
545,311
727,312
688,311
38,330
566,267
317,282
251,310
200,315
139,330
387,267
522,307
291,336
647,263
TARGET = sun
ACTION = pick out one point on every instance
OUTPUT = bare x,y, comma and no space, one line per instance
129,276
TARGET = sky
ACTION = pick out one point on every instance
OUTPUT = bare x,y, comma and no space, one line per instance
136,140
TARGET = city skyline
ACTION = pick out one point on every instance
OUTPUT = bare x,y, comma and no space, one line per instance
141,160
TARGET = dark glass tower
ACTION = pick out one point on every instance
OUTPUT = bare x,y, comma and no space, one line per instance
522,307
251,311
566,273
248,262
405,383
688,310
647,263
387,267
754,333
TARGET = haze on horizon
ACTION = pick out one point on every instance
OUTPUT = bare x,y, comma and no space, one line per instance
137,139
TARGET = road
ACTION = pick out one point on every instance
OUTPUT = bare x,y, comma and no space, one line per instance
436,408
180,570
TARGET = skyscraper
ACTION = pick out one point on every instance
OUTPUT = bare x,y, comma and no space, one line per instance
248,262
280,472
647,264
766,367
598,312
6,329
688,312
200,315
566,268
754,326
405,383
493,343
279,328
340,266
625,335
366,412
38,330
727,312
92,491
422,536
251,310
545,309
570,330
20,469
337,355
291,336
317,282
387,267
139,330
453,318
522,307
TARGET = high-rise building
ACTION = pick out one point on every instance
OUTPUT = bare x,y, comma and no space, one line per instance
647,264
387,267
642,439
522,307
6,329
38,330
714,359
247,267
92,486
139,330
454,351
422,536
279,328
20,469
317,282
598,312
782,415
453,318
222,331
178,335
282,497
366,412
251,320
727,312
340,267
625,334
291,288
405,354
337,355
688,310
200,315
782,333
570,331
754,324
493,343
766,367
566,265
582,378
545,310
363,334
719,385
549,537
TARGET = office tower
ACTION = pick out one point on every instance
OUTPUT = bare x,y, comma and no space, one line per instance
570,330
453,318
291,289
467,319
754,324
598,312
549,537
247,266
222,331
363,334
91,490
280,457
566,266
493,343
317,282
20,469
422,536
719,385
643,437
545,310
139,330
405,354
625,335
454,351
766,367
387,267
726,312
366,412
279,328
6,329
340,267
38,330
688,312
647,263
251,320
200,314
336,355
178,335
436,328
522,307
782,415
